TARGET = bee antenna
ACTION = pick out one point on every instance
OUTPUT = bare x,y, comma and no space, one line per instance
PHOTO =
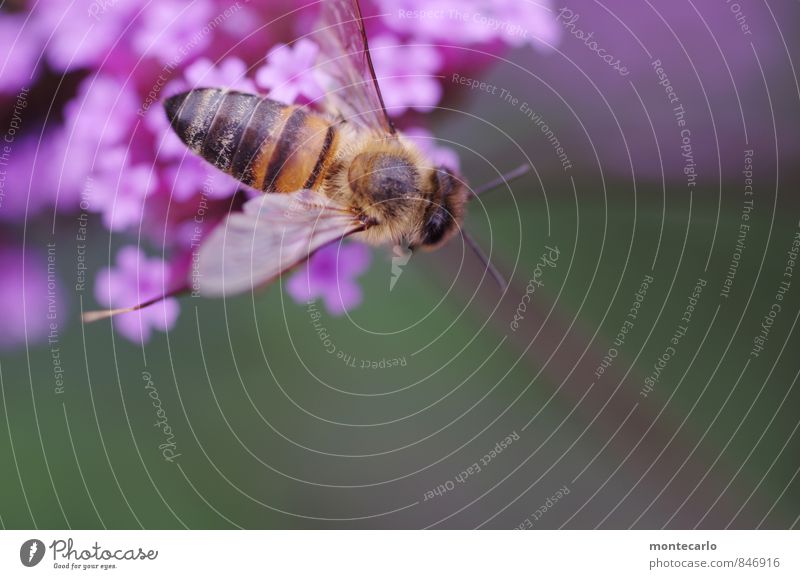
93,316
473,245
502,180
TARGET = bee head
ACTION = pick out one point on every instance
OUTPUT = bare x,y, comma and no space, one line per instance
410,203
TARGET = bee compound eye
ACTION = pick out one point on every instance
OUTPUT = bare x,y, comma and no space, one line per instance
439,224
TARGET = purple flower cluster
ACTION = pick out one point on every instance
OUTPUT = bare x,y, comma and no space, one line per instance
330,275
83,82
473,22
134,279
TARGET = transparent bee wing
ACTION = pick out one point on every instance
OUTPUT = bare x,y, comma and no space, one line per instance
271,235
352,90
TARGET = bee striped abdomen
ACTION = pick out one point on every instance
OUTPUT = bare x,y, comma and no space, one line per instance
263,143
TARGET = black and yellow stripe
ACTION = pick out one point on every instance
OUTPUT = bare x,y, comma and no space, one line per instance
263,143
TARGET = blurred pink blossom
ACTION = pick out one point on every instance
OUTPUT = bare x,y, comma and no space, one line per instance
20,48
28,293
171,30
228,73
77,39
463,22
135,279
407,74
331,274
440,156
289,72
119,189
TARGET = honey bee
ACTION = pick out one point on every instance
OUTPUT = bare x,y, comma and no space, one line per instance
345,172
